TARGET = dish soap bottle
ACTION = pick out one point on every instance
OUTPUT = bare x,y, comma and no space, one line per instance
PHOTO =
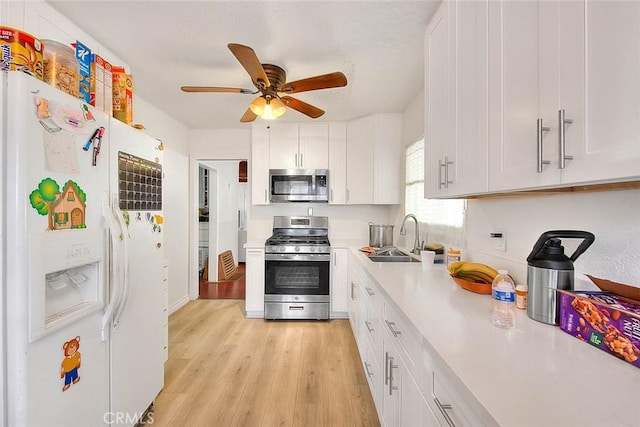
503,292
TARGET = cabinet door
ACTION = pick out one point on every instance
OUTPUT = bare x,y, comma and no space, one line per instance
353,303
337,163
470,157
339,283
438,102
254,299
283,146
259,165
313,146
514,108
606,146
360,161
388,157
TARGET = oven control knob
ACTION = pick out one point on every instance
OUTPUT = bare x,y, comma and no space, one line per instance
313,249
297,248
281,248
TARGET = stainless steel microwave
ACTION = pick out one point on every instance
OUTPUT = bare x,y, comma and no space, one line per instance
299,185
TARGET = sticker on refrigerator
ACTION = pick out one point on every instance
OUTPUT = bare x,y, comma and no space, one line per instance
71,363
65,209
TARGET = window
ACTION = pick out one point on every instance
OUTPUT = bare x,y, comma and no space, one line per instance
444,217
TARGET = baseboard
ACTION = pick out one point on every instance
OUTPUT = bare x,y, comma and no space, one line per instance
338,315
254,314
178,304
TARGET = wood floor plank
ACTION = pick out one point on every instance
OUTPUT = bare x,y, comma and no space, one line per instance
225,370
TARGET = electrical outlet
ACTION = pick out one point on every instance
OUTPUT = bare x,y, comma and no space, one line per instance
501,240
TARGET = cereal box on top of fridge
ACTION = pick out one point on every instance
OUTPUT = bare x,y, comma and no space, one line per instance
84,58
97,82
108,88
122,95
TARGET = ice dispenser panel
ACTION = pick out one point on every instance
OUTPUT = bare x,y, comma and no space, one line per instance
66,279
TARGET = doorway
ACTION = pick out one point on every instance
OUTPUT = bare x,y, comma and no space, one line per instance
221,221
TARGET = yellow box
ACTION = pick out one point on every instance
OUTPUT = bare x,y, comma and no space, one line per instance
122,95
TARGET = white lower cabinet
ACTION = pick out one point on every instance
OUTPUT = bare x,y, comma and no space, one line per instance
339,283
254,292
410,385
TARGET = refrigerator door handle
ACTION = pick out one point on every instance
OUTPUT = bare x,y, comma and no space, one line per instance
122,303
114,288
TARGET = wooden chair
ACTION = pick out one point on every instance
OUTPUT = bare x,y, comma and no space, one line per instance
227,268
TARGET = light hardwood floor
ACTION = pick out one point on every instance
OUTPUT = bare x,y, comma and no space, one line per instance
225,370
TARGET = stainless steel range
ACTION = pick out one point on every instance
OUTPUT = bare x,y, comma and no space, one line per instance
297,260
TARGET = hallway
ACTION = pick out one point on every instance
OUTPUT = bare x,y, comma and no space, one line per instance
233,289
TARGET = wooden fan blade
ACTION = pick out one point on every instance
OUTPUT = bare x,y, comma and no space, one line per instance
303,107
248,116
249,60
214,89
324,81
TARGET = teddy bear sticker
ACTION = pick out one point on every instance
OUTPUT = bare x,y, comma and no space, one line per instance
70,363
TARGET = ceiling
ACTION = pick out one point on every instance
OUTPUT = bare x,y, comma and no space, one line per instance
378,45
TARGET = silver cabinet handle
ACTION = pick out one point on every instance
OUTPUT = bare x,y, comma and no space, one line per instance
386,367
562,140
393,330
391,368
540,157
366,368
440,166
370,292
443,408
447,162
301,162
353,296
331,195
296,159
368,325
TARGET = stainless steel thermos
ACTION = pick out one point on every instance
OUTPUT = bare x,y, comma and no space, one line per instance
549,269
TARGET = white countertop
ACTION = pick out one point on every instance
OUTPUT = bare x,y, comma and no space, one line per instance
531,375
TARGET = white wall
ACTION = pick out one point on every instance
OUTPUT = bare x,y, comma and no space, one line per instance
612,216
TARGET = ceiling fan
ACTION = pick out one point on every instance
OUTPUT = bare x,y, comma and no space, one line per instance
270,82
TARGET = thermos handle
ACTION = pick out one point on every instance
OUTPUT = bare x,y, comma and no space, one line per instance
588,239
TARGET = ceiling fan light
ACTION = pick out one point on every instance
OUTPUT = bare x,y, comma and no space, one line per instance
276,108
258,106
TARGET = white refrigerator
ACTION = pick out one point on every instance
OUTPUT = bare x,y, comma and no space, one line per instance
82,268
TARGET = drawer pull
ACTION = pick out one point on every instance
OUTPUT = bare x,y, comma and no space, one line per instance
443,407
393,330
370,292
391,368
296,307
366,368
368,325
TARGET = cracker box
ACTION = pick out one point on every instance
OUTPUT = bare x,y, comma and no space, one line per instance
84,58
122,95
607,319
97,82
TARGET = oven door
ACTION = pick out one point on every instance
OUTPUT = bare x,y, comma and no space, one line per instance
296,275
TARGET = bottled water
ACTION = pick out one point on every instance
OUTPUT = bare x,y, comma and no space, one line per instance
503,292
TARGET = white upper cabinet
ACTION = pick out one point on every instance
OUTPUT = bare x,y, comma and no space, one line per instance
374,159
607,142
298,146
456,109
565,96
338,163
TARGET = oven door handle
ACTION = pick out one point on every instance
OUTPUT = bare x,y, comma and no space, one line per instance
297,257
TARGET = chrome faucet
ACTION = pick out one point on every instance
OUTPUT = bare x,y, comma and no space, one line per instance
403,232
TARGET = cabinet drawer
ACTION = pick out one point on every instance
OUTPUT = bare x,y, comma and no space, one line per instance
373,371
372,295
406,338
371,327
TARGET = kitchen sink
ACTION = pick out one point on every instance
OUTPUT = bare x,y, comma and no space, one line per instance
392,255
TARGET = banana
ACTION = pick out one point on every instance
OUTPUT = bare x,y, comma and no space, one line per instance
474,271
454,266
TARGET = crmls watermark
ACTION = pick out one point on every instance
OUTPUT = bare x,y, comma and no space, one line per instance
136,418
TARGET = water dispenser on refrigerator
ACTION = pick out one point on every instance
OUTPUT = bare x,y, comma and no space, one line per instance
66,280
